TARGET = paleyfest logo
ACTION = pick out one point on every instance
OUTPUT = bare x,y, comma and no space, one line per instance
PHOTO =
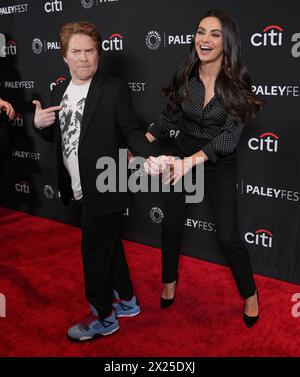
154,39
87,4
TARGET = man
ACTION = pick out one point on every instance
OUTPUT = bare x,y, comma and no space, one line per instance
94,116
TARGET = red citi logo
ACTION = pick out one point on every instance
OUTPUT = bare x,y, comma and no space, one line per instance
10,48
57,81
261,237
23,186
17,120
267,141
270,36
114,42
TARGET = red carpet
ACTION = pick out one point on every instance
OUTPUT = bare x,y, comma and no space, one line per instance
41,278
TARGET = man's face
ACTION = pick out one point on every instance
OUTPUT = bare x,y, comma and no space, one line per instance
82,58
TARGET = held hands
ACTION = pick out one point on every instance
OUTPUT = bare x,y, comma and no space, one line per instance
172,169
177,169
156,165
7,107
44,117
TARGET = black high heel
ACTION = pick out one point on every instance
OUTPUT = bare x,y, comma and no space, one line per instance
166,302
249,320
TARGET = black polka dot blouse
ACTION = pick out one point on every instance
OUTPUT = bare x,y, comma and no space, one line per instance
195,127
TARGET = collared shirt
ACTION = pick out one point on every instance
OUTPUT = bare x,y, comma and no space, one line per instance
195,127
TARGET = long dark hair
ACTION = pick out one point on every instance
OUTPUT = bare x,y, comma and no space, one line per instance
233,84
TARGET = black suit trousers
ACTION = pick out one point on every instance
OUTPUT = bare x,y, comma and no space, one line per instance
104,262
220,188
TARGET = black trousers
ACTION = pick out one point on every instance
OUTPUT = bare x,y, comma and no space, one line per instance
104,262
220,188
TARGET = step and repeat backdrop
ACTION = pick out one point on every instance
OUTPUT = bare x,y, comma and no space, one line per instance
144,41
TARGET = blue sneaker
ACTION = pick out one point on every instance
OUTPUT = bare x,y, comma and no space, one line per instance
124,308
93,327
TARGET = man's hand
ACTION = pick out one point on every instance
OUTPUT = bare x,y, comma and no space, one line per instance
44,117
156,165
7,107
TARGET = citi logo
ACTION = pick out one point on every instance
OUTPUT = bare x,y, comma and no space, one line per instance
53,6
267,141
56,82
114,42
261,237
23,187
9,48
17,120
270,36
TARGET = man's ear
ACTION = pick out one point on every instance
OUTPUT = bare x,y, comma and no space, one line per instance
65,60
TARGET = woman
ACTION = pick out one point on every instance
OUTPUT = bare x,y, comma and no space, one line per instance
209,100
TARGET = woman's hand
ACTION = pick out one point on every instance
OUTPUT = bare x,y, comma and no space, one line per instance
7,107
176,170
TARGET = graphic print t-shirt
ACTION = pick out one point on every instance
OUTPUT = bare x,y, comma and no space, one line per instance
70,118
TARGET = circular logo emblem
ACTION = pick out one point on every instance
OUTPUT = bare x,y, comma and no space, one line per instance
48,192
87,4
37,46
156,215
153,40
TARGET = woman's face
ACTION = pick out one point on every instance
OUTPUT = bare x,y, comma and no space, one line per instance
209,41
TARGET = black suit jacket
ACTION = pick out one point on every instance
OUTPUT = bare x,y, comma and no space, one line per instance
108,122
